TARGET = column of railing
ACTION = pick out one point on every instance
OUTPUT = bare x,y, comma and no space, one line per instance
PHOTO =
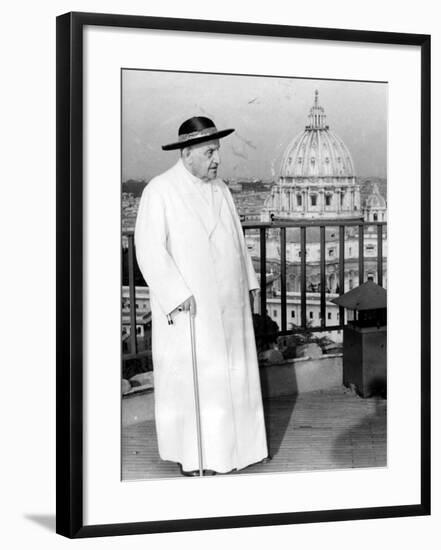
303,226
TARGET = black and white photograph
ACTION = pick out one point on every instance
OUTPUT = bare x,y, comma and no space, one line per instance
254,274
221,265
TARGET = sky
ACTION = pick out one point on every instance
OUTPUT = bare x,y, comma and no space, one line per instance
266,112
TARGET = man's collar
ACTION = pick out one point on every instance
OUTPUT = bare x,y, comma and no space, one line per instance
192,177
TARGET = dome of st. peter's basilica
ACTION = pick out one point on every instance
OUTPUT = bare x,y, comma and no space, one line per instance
317,177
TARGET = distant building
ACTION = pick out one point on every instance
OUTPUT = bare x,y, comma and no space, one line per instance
317,177
317,182
313,312
143,318
375,208
129,210
142,294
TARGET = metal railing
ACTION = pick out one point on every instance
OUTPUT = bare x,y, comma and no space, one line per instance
281,226
302,226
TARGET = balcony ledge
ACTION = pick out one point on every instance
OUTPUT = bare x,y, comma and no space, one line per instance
290,377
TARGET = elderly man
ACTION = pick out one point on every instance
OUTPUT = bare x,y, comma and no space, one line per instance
191,252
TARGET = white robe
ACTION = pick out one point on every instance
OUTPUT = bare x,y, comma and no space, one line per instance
184,248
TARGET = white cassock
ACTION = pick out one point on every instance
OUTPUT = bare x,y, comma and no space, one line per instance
189,241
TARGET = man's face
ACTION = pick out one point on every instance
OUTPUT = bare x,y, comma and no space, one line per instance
203,159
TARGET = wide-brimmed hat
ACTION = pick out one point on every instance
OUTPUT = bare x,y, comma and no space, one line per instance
196,130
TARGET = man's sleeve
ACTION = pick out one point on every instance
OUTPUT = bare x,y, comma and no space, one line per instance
157,266
253,283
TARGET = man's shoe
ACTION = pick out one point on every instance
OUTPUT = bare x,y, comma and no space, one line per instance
195,473
192,473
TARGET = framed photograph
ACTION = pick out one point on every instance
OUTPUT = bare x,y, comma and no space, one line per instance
243,289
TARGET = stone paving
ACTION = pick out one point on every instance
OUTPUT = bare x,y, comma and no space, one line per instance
311,431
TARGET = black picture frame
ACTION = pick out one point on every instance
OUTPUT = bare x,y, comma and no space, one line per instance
69,292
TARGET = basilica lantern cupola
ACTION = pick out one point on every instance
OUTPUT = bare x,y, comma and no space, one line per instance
317,117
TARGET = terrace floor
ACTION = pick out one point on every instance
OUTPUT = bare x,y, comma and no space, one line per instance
311,431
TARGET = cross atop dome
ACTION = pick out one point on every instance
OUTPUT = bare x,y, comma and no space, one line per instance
317,117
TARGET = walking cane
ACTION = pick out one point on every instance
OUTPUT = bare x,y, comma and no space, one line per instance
196,391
